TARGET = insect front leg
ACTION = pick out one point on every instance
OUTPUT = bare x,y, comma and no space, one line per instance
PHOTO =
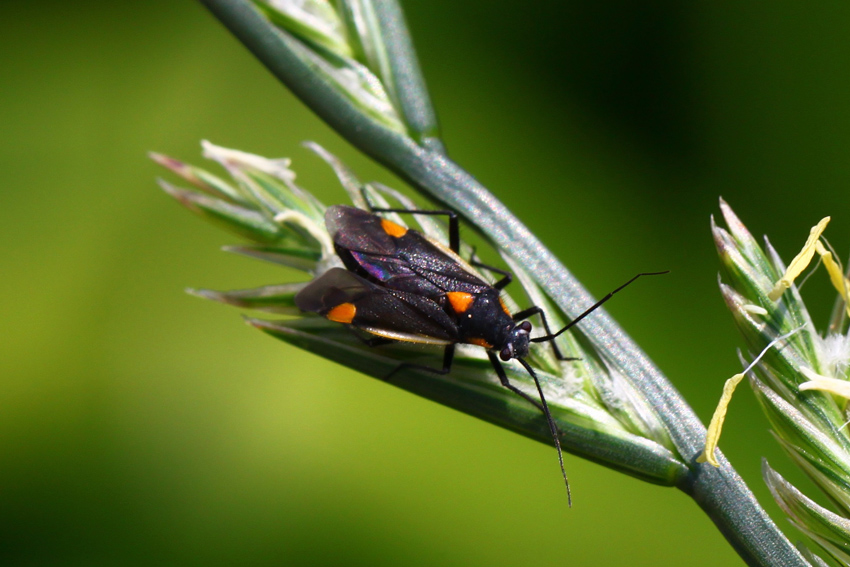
542,406
535,310
503,378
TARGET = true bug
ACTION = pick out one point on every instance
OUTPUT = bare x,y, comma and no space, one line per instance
400,285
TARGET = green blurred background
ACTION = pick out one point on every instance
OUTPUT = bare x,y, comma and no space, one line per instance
142,426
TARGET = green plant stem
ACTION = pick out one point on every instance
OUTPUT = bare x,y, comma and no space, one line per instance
721,493
465,392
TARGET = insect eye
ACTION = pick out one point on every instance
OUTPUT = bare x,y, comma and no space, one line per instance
506,354
525,326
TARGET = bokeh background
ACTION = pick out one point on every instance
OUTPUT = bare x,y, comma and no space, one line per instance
142,426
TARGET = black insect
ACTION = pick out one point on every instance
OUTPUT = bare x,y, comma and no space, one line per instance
400,285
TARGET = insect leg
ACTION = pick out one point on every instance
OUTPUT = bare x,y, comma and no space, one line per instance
549,336
535,310
373,341
448,356
454,226
503,378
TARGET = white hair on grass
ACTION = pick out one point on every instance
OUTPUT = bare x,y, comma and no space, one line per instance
834,354
566,386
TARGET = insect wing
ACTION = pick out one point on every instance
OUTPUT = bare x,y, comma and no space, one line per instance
356,229
396,257
345,297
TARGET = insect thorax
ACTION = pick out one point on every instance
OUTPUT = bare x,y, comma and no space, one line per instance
487,324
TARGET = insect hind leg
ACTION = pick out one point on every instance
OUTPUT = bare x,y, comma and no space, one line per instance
373,341
448,357
368,339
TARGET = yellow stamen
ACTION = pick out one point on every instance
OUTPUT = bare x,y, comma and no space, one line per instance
836,276
799,263
823,383
712,436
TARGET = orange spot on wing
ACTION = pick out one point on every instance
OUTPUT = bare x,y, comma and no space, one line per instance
504,307
460,300
342,313
393,229
479,342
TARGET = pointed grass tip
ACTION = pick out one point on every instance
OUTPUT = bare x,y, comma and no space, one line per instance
180,168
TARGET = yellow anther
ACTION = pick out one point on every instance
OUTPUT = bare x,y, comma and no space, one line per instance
823,383
799,263
712,436
836,276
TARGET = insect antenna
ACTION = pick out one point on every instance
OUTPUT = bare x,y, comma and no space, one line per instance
594,307
552,428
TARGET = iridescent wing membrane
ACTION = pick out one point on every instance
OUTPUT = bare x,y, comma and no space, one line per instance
397,258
